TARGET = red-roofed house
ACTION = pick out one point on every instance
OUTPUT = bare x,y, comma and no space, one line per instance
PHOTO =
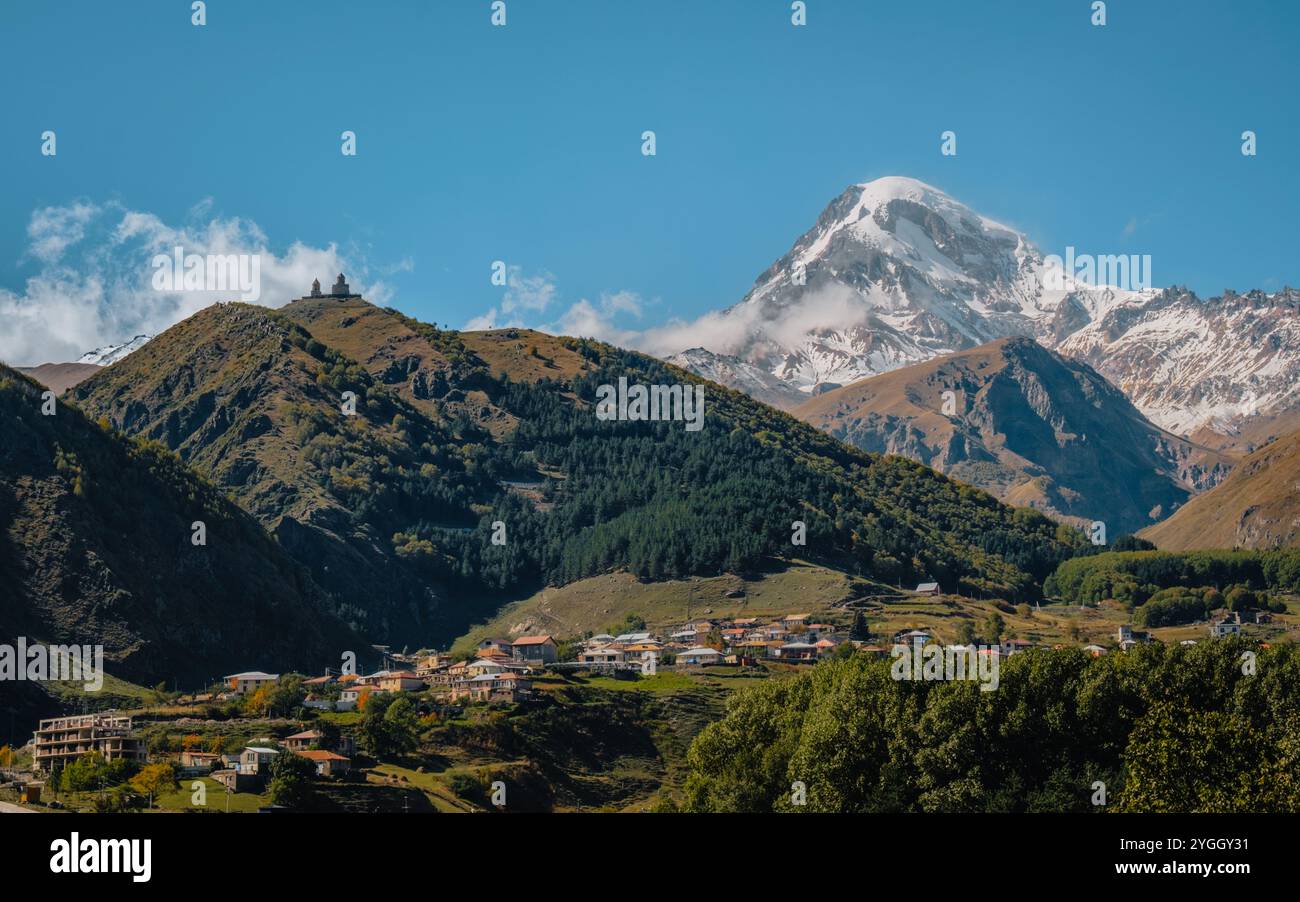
328,764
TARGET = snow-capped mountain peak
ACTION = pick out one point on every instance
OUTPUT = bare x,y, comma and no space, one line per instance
110,354
895,272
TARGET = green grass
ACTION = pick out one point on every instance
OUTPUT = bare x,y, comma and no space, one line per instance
601,602
123,693
662,683
181,799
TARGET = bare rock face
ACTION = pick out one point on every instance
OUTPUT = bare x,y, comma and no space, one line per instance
1029,426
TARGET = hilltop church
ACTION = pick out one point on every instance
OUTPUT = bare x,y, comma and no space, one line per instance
340,290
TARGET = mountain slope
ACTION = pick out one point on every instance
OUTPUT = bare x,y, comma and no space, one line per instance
742,376
1258,506
257,405
393,510
110,354
533,372
895,272
59,377
95,548
1027,425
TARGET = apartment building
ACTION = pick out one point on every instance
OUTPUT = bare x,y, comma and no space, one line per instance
62,740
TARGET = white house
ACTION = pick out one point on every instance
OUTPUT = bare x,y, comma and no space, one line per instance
249,681
606,655
701,656
1225,628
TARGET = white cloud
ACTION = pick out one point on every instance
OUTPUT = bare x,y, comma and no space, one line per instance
527,292
52,230
94,282
730,331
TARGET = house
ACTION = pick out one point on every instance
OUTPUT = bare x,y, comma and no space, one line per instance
480,666
1014,646
797,651
319,682
352,696
699,657
638,648
237,781
815,631
629,638
1095,650
536,649
249,681
492,647
1126,634
607,655
927,588
432,664
492,687
1228,626
776,631
328,764
304,740
402,681
62,740
255,759
201,762
908,637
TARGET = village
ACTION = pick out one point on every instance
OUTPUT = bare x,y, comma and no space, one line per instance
496,673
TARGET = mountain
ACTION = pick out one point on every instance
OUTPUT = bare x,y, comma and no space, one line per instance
458,438
255,404
96,548
1219,364
1258,506
1030,426
743,377
895,272
110,354
59,377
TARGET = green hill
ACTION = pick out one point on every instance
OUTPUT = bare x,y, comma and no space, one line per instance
96,548
392,509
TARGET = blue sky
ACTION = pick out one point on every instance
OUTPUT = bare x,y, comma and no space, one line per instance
522,143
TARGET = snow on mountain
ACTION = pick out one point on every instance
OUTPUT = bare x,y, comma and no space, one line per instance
895,272
110,354
1189,363
737,374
